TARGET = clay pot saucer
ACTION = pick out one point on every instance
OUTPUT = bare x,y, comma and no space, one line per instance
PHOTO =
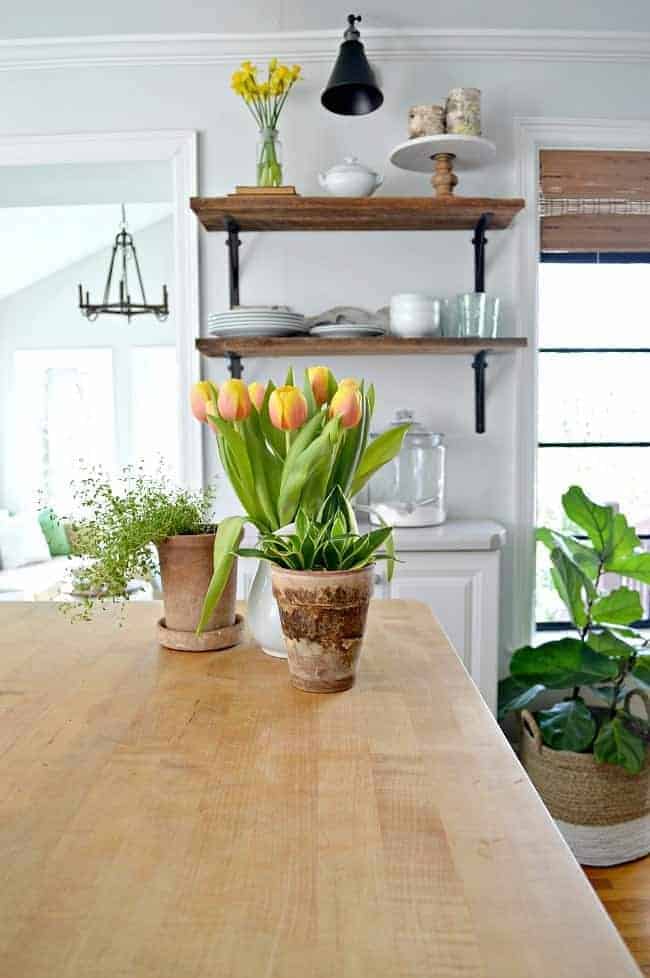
210,641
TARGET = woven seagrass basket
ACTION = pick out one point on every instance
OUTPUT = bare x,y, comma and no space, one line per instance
602,811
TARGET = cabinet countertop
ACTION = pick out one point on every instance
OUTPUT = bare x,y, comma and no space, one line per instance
167,814
471,535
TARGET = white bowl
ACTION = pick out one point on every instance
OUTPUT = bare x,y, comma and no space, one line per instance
414,314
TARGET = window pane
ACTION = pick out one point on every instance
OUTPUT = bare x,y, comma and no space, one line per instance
593,397
593,305
154,436
64,417
608,475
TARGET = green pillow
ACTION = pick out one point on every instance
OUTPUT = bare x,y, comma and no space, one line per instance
54,533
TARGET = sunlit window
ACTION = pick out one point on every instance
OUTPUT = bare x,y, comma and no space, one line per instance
594,370
64,418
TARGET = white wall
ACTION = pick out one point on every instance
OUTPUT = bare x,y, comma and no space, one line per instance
45,316
36,18
314,271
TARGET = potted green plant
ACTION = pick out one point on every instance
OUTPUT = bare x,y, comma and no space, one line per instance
285,449
134,526
323,575
587,753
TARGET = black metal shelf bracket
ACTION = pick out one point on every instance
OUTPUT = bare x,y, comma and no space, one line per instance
479,241
479,366
233,244
235,366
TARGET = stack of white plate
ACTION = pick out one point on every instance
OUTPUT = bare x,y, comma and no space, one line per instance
336,331
256,321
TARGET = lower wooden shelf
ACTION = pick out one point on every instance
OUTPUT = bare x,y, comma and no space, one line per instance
306,346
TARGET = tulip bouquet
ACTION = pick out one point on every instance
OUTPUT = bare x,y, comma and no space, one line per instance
285,449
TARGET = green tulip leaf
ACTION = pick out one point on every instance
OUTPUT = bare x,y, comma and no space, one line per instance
561,664
616,744
261,463
567,726
619,607
274,438
295,477
380,451
514,695
353,445
312,406
304,438
226,539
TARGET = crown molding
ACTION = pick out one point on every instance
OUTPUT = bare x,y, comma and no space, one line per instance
405,44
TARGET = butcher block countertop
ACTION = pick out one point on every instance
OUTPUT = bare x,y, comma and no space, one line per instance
185,815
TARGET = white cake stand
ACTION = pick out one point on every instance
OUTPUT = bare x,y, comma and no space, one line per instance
445,152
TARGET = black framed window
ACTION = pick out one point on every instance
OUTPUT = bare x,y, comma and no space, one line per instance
594,412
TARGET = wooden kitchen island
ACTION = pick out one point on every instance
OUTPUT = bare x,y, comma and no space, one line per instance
170,815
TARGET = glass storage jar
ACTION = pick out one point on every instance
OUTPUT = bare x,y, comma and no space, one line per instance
410,490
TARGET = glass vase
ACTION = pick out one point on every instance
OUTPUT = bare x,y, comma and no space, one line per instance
269,159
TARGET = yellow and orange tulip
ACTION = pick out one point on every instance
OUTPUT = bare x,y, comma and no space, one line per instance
288,408
257,392
234,402
319,381
203,399
347,405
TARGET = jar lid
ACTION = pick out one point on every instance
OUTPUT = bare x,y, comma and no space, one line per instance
351,164
418,435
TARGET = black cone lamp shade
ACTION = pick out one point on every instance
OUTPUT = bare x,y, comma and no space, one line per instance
352,88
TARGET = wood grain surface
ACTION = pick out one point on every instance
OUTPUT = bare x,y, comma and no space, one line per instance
625,892
306,346
171,815
283,213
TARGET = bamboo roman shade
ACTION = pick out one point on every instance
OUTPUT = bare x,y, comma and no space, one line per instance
595,200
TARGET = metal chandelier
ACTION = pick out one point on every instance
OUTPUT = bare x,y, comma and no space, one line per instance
122,255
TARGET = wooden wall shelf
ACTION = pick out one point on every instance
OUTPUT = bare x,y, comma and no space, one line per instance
307,346
238,213
286,213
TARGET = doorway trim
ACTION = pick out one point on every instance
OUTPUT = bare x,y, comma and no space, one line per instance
532,135
178,148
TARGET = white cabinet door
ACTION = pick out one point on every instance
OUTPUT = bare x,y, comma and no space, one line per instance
462,590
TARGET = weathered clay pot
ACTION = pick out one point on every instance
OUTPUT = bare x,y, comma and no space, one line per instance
186,571
323,615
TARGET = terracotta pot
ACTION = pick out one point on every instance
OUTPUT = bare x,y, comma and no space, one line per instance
186,571
323,615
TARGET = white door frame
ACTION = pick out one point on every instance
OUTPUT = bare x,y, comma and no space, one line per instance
531,136
178,148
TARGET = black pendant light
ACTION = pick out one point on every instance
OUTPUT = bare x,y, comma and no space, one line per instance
121,304
352,88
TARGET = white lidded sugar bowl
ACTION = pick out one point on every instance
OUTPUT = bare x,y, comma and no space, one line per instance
351,178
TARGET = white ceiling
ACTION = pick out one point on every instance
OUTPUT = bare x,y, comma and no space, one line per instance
38,241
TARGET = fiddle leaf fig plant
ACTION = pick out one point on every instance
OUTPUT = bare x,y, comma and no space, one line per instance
606,658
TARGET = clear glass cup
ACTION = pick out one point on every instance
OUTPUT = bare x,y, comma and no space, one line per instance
478,315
